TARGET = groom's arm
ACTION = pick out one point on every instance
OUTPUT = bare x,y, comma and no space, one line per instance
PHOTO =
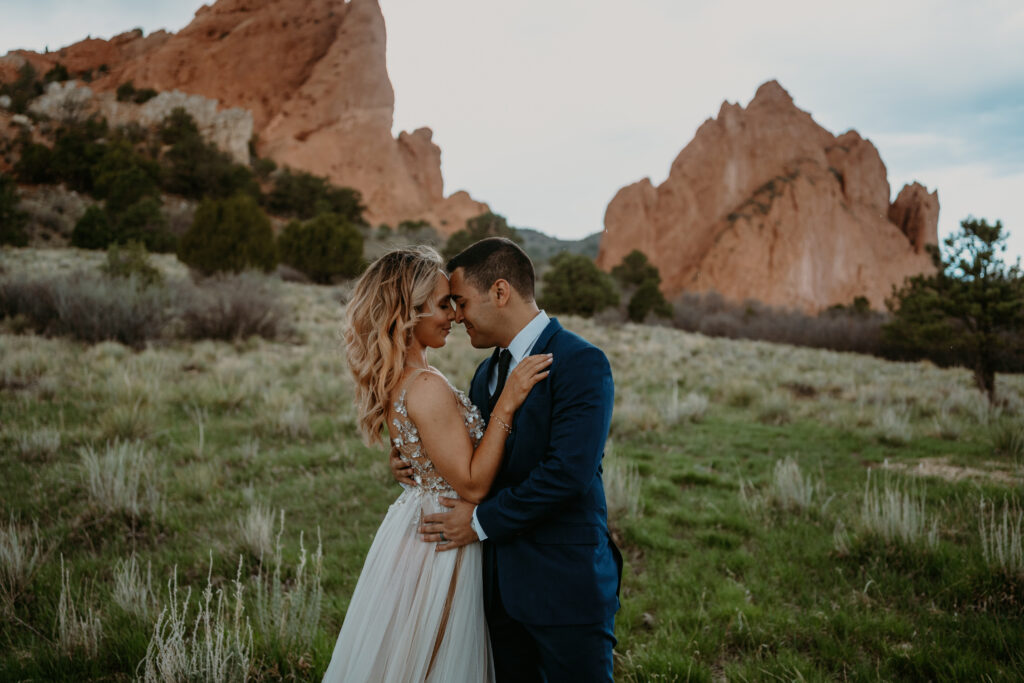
582,397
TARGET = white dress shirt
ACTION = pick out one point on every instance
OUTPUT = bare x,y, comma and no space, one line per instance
520,348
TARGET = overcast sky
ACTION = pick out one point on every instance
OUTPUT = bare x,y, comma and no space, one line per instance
545,108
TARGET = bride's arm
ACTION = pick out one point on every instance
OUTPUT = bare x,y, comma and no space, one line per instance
434,409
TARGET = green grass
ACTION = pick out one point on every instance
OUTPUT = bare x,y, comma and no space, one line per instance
715,586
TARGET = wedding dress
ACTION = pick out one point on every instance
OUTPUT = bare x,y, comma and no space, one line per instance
416,614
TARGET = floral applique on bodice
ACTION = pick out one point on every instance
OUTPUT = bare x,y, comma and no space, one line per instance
411,450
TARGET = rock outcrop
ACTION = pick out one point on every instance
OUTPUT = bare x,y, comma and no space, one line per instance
229,129
313,75
766,204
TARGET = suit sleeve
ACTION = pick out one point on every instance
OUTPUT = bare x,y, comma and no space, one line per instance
581,407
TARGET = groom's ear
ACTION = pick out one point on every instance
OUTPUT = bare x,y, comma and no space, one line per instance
502,292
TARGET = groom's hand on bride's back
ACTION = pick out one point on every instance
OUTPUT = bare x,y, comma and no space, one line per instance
400,470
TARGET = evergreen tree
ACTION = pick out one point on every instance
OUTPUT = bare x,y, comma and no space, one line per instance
574,284
12,219
229,235
323,248
970,312
487,224
639,279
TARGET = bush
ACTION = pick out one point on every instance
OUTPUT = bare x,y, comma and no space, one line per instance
24,89
648,299
574,284
635,270
324,248
59,72
840,330
93,230
76,151
485,225
144,222
88,307
35,163
303,195
123,177
195,168
125,92
132,260
12,219
233,307
229,235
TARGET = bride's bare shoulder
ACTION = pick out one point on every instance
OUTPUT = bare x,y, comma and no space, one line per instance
429,391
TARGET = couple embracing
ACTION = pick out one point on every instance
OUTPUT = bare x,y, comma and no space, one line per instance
495,562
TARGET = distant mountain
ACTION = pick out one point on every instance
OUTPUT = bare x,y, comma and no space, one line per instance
542,248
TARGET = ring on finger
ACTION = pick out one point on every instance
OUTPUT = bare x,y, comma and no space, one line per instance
443,539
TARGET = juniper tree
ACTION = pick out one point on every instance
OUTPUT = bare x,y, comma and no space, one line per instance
969,312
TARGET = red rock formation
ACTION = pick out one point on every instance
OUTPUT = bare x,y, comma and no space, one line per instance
313,74
766,204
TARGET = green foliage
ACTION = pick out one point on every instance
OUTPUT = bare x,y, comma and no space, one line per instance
970,312
131,260
93,230
144,222
24,89
178,126
195,168
648,299
59,72
304,195
12,219
35,163
485,225
323,248
229,235
76,151
635,270
263,167
640,279
125,92
123,177
574,284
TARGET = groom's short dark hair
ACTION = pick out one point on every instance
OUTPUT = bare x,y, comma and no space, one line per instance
496,258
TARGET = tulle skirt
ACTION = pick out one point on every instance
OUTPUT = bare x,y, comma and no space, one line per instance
416,614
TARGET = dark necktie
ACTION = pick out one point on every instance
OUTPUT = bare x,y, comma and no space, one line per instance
504,360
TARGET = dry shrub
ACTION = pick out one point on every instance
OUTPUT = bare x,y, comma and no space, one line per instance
231,307
217,648
1001,536
132,592
19,558
838,328
120,478
87,306
77,634
621,486
897,513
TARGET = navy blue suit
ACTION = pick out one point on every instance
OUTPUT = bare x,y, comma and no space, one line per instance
550,566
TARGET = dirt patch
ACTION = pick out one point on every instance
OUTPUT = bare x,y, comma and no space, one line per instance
942,468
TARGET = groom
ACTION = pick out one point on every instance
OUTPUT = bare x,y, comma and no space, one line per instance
551,570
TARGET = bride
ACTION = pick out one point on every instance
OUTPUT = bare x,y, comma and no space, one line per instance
417,614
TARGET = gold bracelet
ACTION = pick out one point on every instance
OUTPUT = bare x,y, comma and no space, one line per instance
503,424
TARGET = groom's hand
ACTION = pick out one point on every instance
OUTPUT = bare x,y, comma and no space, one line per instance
450,530
401,471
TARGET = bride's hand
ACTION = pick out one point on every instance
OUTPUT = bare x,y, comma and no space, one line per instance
528,372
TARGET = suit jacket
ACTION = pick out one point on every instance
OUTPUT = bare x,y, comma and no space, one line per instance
548,548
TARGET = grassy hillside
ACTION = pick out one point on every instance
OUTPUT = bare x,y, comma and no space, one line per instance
785,513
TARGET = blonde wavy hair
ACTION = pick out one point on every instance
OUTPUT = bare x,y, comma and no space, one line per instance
388,300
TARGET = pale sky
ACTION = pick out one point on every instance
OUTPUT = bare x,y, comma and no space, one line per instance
545,108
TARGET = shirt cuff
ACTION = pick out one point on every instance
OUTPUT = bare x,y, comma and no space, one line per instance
475,523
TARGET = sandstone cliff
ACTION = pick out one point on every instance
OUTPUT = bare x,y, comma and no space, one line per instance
766,204
313,75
